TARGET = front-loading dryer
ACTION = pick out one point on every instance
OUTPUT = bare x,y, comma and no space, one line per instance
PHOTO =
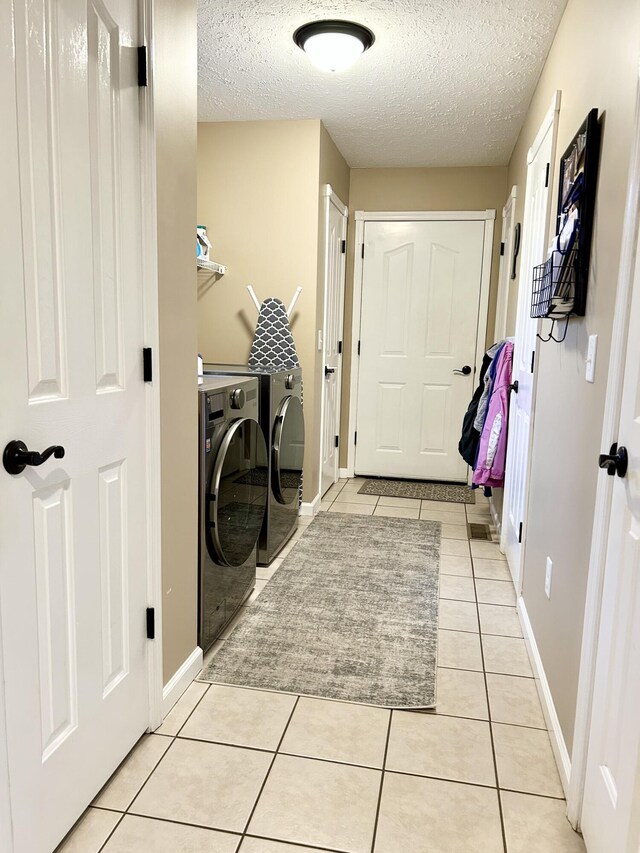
282,422
232,499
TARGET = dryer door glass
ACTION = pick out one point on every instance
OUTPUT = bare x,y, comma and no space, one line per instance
288,451
237,494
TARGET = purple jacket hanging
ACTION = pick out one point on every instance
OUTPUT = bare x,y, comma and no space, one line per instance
492,452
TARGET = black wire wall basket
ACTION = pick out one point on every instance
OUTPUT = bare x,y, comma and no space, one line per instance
559,287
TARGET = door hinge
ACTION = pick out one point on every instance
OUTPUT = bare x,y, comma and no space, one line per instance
343,246
339,347
355,437
501,249
362,251
546,176
337,441
358,347
533,359
151,623
520,533
142,66
147,364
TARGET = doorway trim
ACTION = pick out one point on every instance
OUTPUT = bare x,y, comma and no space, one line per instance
152,339
329,198
361,218
602,511
506,265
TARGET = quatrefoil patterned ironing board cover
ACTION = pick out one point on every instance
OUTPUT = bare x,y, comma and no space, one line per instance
273,344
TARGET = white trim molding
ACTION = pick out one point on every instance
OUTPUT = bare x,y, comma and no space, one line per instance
560,751
181,679
152,402
361,218
311,508
602,512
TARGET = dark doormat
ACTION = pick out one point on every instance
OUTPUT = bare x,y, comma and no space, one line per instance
426,491
351,614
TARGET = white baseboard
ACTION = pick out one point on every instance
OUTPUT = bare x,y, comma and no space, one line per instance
310,507
495,518
343,473
180,680
553,724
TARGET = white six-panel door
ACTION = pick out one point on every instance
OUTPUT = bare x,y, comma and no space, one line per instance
535,230
73,530
420,304
335,246
611,807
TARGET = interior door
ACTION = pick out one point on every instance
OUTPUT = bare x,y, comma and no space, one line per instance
535,231
420,303
611,807
335,254
506,265
73,530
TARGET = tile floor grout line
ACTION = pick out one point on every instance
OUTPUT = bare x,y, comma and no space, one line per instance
491,738
182,823
384,764
108,838
153,770
191,713
273,761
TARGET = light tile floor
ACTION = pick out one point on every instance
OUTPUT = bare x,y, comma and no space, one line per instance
236,770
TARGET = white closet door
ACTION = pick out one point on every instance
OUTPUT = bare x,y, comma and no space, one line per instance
420,304
73,530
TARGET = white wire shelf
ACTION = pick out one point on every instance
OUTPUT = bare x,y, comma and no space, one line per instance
211,266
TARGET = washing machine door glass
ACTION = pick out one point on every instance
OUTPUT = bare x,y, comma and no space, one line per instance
237,494
288,451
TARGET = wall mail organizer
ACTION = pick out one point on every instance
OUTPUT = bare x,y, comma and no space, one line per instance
559,288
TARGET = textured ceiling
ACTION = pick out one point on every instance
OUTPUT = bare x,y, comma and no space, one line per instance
447,82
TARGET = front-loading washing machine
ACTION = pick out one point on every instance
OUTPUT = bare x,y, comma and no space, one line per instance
282,421
232,499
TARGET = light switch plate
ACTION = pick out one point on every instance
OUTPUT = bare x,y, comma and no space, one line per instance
592,347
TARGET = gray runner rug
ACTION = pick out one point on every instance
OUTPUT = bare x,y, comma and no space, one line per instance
351,614
423,489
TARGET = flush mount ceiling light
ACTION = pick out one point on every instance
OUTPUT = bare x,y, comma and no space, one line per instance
333,45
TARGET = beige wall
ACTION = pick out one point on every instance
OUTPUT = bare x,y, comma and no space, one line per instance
175,80
568,417
258,197
419,189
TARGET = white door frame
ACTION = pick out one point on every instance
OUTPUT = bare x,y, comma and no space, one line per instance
551,120
363,216
331,198
152,339
602,513
506,261
152,336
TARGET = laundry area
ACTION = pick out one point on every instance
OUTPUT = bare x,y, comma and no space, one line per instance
320,470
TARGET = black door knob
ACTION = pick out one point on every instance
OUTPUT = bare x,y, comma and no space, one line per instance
616,461
16,456
514,386
329,370
465,371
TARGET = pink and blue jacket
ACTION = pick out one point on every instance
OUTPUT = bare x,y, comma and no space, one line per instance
492,451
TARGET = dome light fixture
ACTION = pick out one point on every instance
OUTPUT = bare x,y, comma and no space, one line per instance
333,45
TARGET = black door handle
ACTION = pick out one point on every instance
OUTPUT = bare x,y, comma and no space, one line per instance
465,371
514,386
16,456
616,461
329,370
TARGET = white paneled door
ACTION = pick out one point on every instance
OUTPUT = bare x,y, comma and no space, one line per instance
335,254
73,530
420,303
611,807
535,232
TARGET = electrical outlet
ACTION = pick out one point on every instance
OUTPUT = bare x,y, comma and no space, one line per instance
590,373
547,577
